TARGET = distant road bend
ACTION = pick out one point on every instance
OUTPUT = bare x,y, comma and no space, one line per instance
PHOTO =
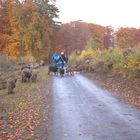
84,111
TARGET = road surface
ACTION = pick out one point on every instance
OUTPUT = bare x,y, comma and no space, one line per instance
84,111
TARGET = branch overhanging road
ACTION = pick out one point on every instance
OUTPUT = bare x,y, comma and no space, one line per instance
84,111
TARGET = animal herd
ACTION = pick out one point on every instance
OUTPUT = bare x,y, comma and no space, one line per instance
70,69
28,75
60,71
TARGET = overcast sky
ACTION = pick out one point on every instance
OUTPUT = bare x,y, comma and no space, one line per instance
117,13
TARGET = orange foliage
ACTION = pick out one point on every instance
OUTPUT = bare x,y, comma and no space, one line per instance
127,37
74,36
13,49
97,33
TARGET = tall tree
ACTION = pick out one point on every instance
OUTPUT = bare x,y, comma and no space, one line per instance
127,37
97,33
108,38
73,36
13,13
28,27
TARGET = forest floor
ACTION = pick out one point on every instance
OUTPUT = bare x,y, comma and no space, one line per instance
124,88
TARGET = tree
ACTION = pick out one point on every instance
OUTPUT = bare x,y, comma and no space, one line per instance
29,27
13,46
97,33
72,36
108,38
127,37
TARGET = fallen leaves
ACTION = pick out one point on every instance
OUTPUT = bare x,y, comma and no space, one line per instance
22,122
128,89
21,113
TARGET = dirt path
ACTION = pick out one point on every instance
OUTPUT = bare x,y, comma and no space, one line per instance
84,111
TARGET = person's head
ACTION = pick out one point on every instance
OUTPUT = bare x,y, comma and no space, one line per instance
62,53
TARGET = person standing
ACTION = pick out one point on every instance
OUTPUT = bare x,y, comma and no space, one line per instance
63,59
55,58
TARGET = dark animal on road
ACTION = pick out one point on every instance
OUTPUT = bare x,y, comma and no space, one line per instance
52,69
61,71
11,84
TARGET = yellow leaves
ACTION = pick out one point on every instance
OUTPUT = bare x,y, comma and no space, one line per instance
27,24
89,53
73,57
13,49
29,4
113,60
132,61
38,44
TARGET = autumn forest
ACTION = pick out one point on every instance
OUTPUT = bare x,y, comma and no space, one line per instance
27,27
29,34
30,29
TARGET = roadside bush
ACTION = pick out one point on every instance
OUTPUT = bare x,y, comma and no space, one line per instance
109,59
90,52
74,58
87,54
131,64
112,60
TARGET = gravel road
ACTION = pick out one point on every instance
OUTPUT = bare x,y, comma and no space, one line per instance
84,111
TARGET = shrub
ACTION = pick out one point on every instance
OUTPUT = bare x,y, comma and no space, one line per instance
131,64
112,60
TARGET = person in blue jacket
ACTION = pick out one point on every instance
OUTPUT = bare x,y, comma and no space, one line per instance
56,60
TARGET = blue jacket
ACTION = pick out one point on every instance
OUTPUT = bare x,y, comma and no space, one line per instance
56,60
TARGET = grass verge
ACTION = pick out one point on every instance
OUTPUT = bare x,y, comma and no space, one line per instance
25,113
